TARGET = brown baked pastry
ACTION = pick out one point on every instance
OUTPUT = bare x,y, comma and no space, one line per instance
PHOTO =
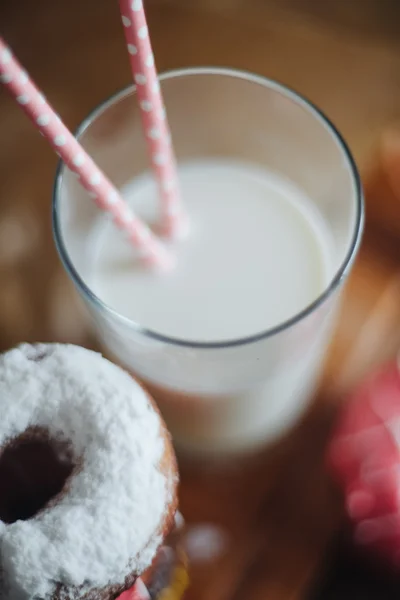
88,476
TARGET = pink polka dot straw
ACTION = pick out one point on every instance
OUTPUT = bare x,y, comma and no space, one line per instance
137,592
67,147
155,125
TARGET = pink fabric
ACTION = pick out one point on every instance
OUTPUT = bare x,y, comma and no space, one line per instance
155,125
364,455
67,147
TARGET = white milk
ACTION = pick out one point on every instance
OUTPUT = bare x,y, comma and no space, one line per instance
258,254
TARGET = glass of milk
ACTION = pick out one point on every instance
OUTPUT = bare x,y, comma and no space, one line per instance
230,343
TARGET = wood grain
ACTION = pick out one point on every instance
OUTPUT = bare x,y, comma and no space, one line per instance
278,510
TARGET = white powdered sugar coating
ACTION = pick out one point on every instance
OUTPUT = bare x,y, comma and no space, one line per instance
106,525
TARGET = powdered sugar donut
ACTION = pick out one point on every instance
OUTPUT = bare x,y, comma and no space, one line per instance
88,476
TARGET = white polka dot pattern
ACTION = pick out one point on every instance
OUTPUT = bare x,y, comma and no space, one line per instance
60,140
23,78
6,78
43,120
146,105
68,148
143,32
23,99
5,56
140,79
155,125
78,160
150,60
112,197
95,178
154,133
159,158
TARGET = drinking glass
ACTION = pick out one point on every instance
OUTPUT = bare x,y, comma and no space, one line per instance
228,397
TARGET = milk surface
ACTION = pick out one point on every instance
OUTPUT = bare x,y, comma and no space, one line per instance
257,254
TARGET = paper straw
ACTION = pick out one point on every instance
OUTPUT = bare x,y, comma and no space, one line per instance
155,125
67,147
138,592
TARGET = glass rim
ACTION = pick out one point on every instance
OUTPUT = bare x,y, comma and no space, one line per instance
265,82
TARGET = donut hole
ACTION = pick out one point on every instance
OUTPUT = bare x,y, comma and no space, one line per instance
34,470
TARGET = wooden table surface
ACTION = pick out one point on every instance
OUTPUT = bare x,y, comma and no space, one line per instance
278,511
